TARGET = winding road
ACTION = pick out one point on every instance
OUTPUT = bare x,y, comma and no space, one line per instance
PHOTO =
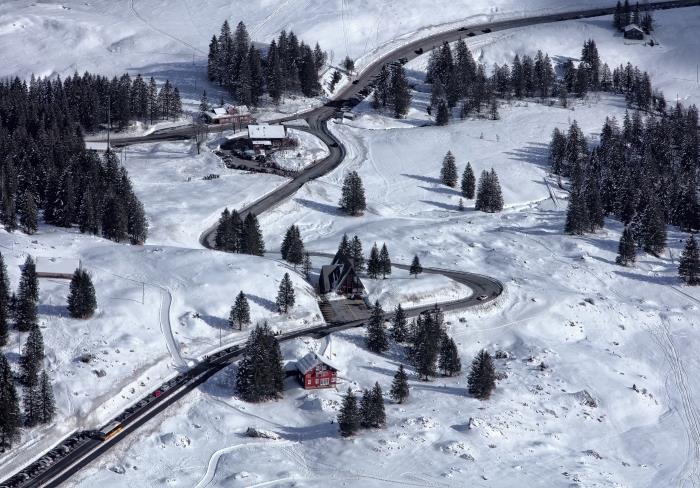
81,448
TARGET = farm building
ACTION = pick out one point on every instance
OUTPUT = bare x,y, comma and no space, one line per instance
238,115
266,136
62,268
340,277
633,31
316,371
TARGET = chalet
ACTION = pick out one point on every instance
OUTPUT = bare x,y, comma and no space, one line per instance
61,268
340,277
266,136
633,31
316,371
237,115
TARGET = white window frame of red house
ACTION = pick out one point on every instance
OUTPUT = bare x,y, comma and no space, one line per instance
325,382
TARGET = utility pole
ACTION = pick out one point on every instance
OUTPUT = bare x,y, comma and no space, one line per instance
109,119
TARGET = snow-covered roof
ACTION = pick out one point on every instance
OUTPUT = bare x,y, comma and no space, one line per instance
310,361
56,266
219,111
633,27
266,131
263,143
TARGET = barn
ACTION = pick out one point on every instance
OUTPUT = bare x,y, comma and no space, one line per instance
266,136
314,371
633,31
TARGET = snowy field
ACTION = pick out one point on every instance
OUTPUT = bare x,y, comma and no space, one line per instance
309,150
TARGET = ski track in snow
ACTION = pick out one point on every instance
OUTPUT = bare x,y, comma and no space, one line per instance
160,31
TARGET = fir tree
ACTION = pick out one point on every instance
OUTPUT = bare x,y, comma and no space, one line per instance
493,110
400,94
482,377
353,201
289,236
285,295
251,236
653,229
489,197
374,265
260,376
203,105
26,309
344,248
399,331
399,387
306,266
468,182
30,404
449,361
377,416
577,216
349,417
4,304
442,116
10,419
426,345
357,258
82,301
240,312
376,335
448,172
296,252
416,267
46,402
689,263
28,213
627,250
384,261
32,357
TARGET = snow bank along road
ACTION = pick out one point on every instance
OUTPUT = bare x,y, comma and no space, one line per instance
81,448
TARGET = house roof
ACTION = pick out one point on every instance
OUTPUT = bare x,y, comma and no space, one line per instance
63,266
219,111
266,131
341,266
633,27
308,362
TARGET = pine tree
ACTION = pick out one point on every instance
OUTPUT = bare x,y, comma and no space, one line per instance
353,201
358,259
399,331
32,357
468,182
366,409
82,301
296,252
416,267
260,375
627,250
653,229
285,295
4,304
28,294
306,266
240,312
203,105
222,230
482,377
10,418
384,261
374,266
376,335
29,281
689,263
493,110
251,236
426,344
443,114
577,216
46,402
28,213
344,248
289,236
399,387
400,93
449,361
377,415
489,197
448,172
30,404
349,417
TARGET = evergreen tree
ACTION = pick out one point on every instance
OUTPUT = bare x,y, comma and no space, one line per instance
296,251
10,419
222,229
468,182
349,417
449,361
448,172
137,224
384,261
32,357
82,301
627,250
240,312
203,105
416,267
399,332
653,229
577,216
285,295
374,266
260,375
377,415
426,344
251,236
482,377
291,234
26,312
489,197
400,96
358,259
4,304
344,248
376,335
28,212
442,116
353,201
46,402
88,221
689,263
306,266
399,387
493,109
30,404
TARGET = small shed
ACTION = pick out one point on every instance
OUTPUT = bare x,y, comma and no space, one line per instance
633,31
62,268
266,135
315,371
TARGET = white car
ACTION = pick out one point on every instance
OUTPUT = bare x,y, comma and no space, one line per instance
481,298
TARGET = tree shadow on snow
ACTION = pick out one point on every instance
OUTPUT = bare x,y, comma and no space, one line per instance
448,390
442,189
656,280
319,207
444,206
215,322
535,152
54,310
426,179
263,302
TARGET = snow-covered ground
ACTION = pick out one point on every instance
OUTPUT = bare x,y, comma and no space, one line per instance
309,150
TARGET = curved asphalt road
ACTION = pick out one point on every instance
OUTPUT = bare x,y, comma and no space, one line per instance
87,449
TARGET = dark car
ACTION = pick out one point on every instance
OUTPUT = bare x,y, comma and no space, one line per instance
471,34
419,51
486,31
461,29
355,82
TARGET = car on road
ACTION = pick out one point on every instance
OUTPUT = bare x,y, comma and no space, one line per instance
486,31
481,298
419,51
462,29
471,34
355,82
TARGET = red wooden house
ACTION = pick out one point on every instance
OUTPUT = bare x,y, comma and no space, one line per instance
316,371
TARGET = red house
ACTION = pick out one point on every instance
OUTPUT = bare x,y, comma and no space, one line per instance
316,371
